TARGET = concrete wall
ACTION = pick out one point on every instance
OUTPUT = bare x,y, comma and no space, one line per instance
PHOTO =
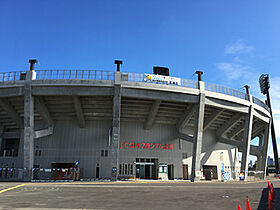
162,134
69,143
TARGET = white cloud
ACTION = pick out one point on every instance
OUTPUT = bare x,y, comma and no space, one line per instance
275,100
233,71
237,59
239,47
239,73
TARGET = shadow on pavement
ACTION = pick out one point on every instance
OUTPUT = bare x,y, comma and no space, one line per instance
263,202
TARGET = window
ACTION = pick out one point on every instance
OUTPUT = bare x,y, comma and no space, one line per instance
180,143
9,147
184,155
121,169
104,153
221,156
126,169
38,152
130,168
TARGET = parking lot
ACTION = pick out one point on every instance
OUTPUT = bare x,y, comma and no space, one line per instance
136,195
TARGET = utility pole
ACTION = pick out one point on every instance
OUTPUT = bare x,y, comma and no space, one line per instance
264,85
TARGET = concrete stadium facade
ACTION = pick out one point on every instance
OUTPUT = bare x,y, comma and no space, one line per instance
117,125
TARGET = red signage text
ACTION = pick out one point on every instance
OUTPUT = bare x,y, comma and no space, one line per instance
143,145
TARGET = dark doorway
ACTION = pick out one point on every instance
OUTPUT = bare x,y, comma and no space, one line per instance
146,168
97,172
63,171
148,171
36,171
185,172
170,172
213,169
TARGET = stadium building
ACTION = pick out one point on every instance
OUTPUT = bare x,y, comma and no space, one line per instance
101,124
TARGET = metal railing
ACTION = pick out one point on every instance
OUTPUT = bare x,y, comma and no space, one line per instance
74,74
135,77
189,83
16,174
9,153
11,76
225,90
110,75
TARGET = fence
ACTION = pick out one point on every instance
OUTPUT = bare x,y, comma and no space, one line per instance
225,90
16,174
110,75
135,77
252,175
11,76
74,74
239,175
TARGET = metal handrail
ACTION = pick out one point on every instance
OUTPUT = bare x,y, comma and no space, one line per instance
11,76
225,90
74,74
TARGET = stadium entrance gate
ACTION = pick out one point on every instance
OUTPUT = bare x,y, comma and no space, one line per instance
213,169
146,168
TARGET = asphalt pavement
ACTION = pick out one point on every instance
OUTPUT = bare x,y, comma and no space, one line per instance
137,195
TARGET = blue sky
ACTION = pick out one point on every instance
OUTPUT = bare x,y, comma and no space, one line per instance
233,42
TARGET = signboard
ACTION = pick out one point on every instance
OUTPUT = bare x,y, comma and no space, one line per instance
114,169
131,145
241,176
162,79
144,163
162,168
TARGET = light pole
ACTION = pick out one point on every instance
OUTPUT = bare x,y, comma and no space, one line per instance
264,85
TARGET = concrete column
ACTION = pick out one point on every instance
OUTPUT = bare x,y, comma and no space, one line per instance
28,138
116,127
247,141
198,135
265,140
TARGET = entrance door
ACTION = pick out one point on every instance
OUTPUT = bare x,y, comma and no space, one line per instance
97,172
142,171
146,168
170,172
36,171
148,171
213,169
185,172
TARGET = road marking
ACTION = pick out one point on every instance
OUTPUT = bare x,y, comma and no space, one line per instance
11,188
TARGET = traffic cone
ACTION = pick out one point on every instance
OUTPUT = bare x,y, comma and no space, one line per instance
248,206
239,208
272,191
269,202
